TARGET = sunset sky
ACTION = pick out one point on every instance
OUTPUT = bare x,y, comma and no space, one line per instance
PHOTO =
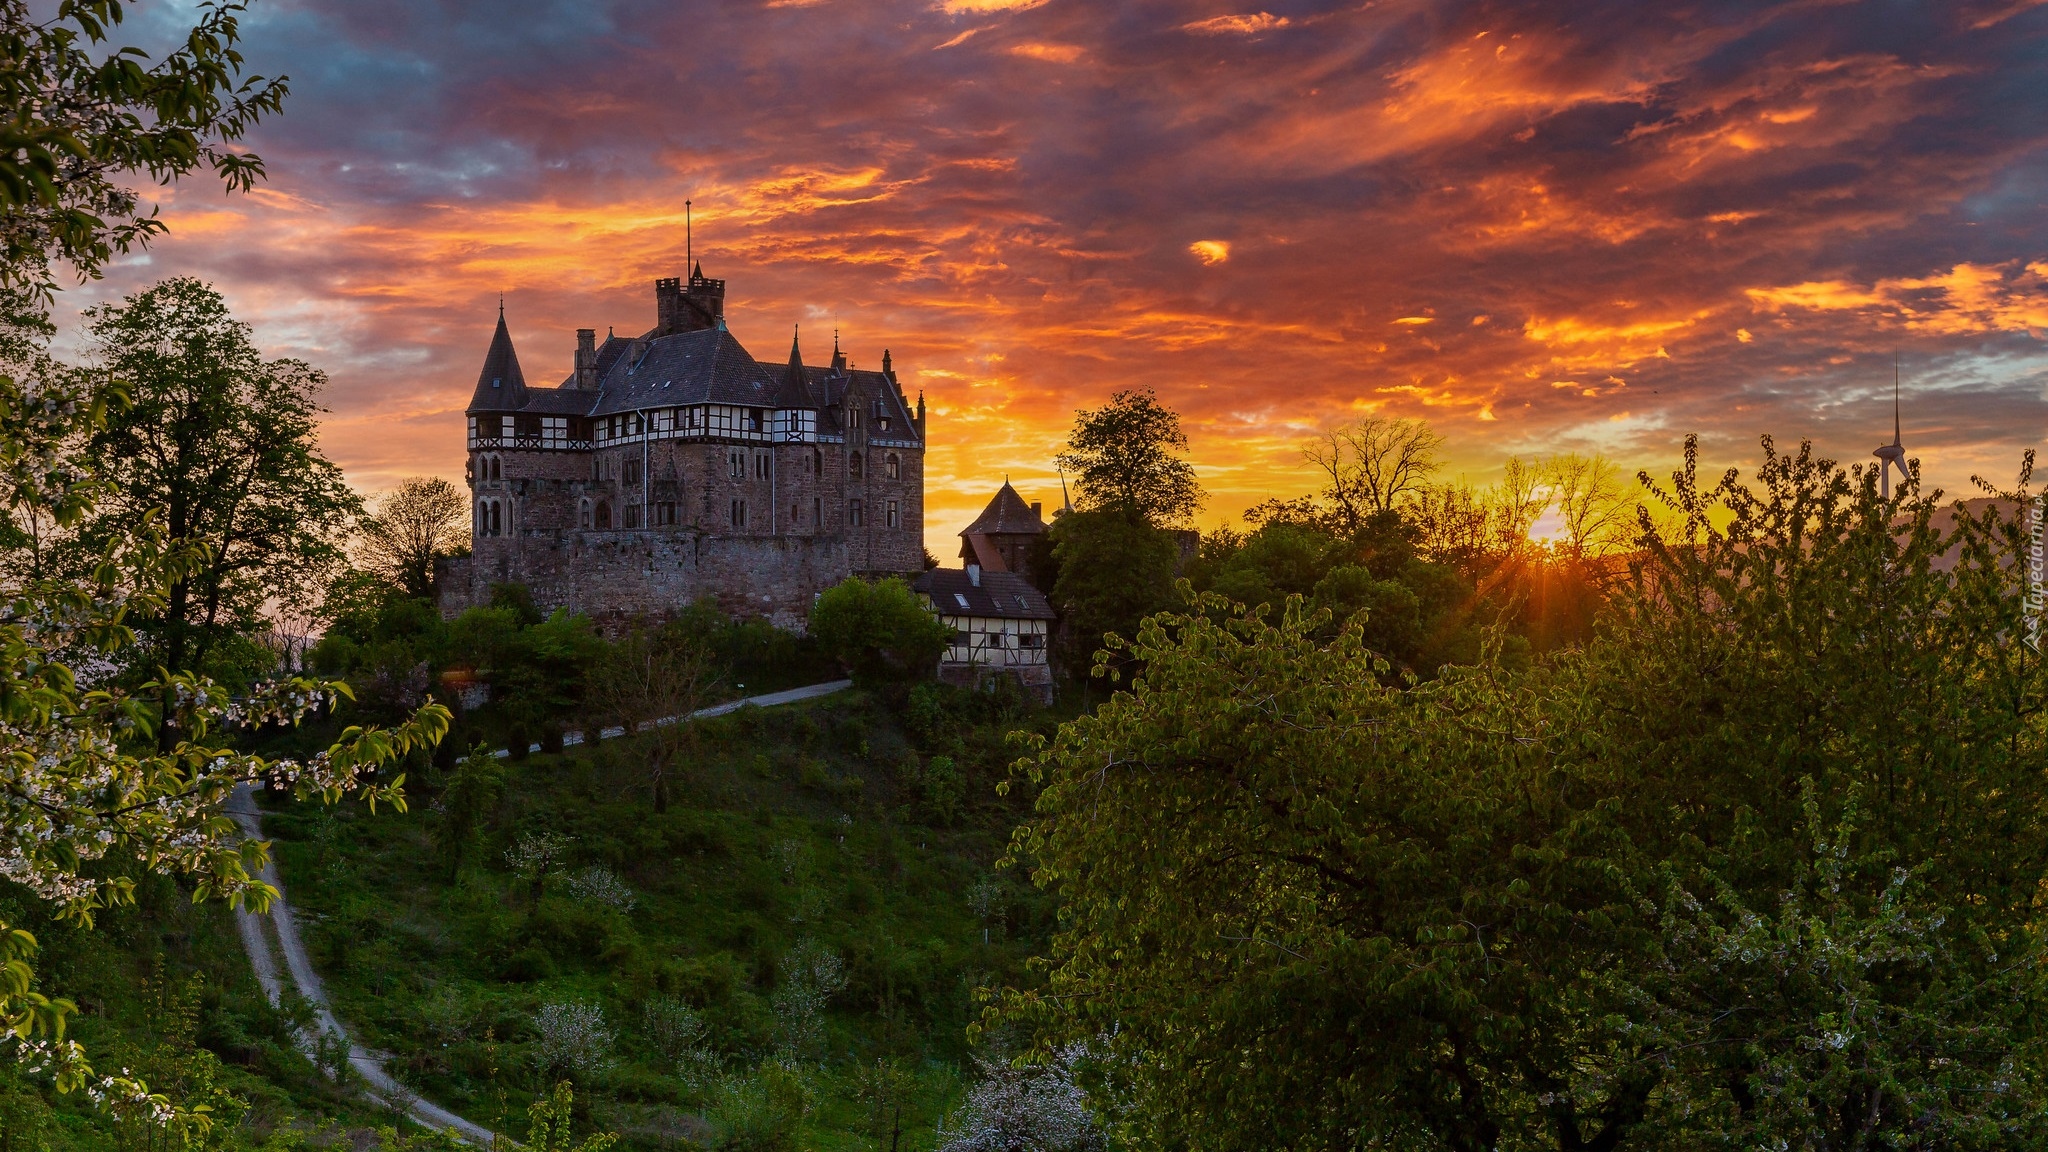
1541,226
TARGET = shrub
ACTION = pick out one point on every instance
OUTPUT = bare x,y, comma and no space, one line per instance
573,1038
879,631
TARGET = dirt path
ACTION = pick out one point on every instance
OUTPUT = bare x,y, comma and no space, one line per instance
306,982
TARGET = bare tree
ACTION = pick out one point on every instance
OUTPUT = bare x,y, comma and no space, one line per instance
1592,502
1372,463
655,680
418,522
1514,506
1450,523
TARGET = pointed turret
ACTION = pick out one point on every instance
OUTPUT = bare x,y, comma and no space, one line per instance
501,386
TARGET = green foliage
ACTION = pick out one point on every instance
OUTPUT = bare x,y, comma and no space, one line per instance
223,445
1759,867
549,1125
879,630
1113,572
85,115
1124,457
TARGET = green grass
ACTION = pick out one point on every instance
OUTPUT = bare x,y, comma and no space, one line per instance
831,822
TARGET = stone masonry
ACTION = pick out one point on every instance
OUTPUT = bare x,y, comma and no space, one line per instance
674,466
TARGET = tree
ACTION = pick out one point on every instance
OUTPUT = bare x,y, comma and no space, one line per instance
1112,572
84,115
415,524
224,446
1759,866
657,679
1595,511
1373,464
1123,456
878,630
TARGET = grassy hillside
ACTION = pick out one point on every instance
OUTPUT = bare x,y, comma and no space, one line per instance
787,956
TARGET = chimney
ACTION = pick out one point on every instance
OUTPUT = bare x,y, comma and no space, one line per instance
1037,510
974,575
586,358
888,369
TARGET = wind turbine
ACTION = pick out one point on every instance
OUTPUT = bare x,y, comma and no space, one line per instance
1894,452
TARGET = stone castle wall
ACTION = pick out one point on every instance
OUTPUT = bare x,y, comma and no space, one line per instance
617,576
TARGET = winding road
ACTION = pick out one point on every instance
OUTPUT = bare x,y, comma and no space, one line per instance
298,965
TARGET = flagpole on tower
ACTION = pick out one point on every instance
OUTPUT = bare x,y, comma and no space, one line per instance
689,244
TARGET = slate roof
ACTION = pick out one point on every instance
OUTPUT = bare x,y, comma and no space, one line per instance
501,386
1001,596
1006,515
704,366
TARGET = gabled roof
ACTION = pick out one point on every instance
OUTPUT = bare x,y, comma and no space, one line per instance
501,386
701,366
1000,595
1006,515
706,366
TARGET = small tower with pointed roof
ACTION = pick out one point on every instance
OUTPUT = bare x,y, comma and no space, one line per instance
1001,538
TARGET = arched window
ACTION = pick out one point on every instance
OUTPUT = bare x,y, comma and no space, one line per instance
497,468
483,519
895,467
604,515
497,519
853,465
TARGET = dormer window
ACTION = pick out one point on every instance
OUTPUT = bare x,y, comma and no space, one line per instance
495,381
882,423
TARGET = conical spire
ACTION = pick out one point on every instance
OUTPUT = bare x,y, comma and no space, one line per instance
501,386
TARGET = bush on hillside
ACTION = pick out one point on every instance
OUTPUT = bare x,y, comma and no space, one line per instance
880,631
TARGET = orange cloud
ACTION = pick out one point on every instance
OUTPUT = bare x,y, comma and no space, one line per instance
1246,25
1968,299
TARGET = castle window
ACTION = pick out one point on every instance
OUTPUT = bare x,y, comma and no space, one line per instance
632,471
882,423
817,462
855,514
583,514
639,424
554,431
739,513
817,512
497,520
852,417
793,518
893,521
497,468
760,465
853,465
634,516
665,513
736,465
895,466
753,419
508,425
604,515
472,428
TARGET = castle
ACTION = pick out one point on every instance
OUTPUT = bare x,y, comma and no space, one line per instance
674,466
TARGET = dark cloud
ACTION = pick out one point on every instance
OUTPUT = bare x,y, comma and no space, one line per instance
1595,225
